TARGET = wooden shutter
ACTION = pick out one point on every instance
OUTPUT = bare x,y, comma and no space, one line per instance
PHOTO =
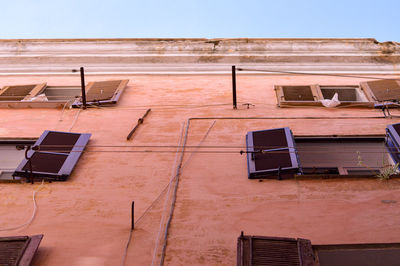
383,90
21,92
103,92
271,153
298,95
393,141
258,250
56,156
18,250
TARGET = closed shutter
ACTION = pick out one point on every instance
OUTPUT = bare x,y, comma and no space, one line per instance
383,90
393,141
18,250
56,156
103,92
21,92
258,250
271,153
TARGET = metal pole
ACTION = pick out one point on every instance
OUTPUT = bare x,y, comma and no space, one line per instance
133,215
83,87
234,87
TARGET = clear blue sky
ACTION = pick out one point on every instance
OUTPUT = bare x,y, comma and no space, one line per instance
200,19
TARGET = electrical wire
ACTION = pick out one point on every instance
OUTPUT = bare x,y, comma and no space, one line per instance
152,204
305,73
166,200
75,119
33,212
178,172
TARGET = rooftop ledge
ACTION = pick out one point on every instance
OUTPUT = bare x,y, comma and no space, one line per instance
197,56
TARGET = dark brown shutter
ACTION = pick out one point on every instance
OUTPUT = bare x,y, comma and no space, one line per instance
104,90
21,92
393,141
55,157
18,250
383,90
258,250
271,152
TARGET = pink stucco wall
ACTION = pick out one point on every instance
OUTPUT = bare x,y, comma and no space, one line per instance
86,220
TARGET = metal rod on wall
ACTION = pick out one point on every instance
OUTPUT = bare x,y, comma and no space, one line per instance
83,87
234,87
133,216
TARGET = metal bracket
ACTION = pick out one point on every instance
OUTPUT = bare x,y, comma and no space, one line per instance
279,173
28,147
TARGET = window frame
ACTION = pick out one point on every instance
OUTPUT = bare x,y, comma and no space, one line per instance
67,166
318,96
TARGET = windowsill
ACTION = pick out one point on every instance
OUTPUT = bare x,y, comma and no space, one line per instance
325,176
49,104
319,104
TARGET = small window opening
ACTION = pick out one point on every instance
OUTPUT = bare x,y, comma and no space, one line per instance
62,93
345,94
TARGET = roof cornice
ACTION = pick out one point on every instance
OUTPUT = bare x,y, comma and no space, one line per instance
197,56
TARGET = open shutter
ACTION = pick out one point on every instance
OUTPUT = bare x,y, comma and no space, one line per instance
383,90
298,95
56,156
271,153
103,92
393,141
258,250
18,250
21,92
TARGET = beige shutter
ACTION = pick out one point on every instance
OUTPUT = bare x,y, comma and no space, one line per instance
382,90
104,90
21,92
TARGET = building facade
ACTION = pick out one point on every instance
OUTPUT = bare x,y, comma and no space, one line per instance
187,164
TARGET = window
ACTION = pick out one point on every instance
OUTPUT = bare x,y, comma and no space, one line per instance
62,93
11,154
53,157
275,153
41,95
260,250
343,155
311,95
18,250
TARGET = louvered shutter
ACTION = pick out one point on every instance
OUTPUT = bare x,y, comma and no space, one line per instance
57,154
258,250
103,92
383,90
393,141
18,250
271,153
21,92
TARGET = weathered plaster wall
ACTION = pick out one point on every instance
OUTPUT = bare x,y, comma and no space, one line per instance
86,220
